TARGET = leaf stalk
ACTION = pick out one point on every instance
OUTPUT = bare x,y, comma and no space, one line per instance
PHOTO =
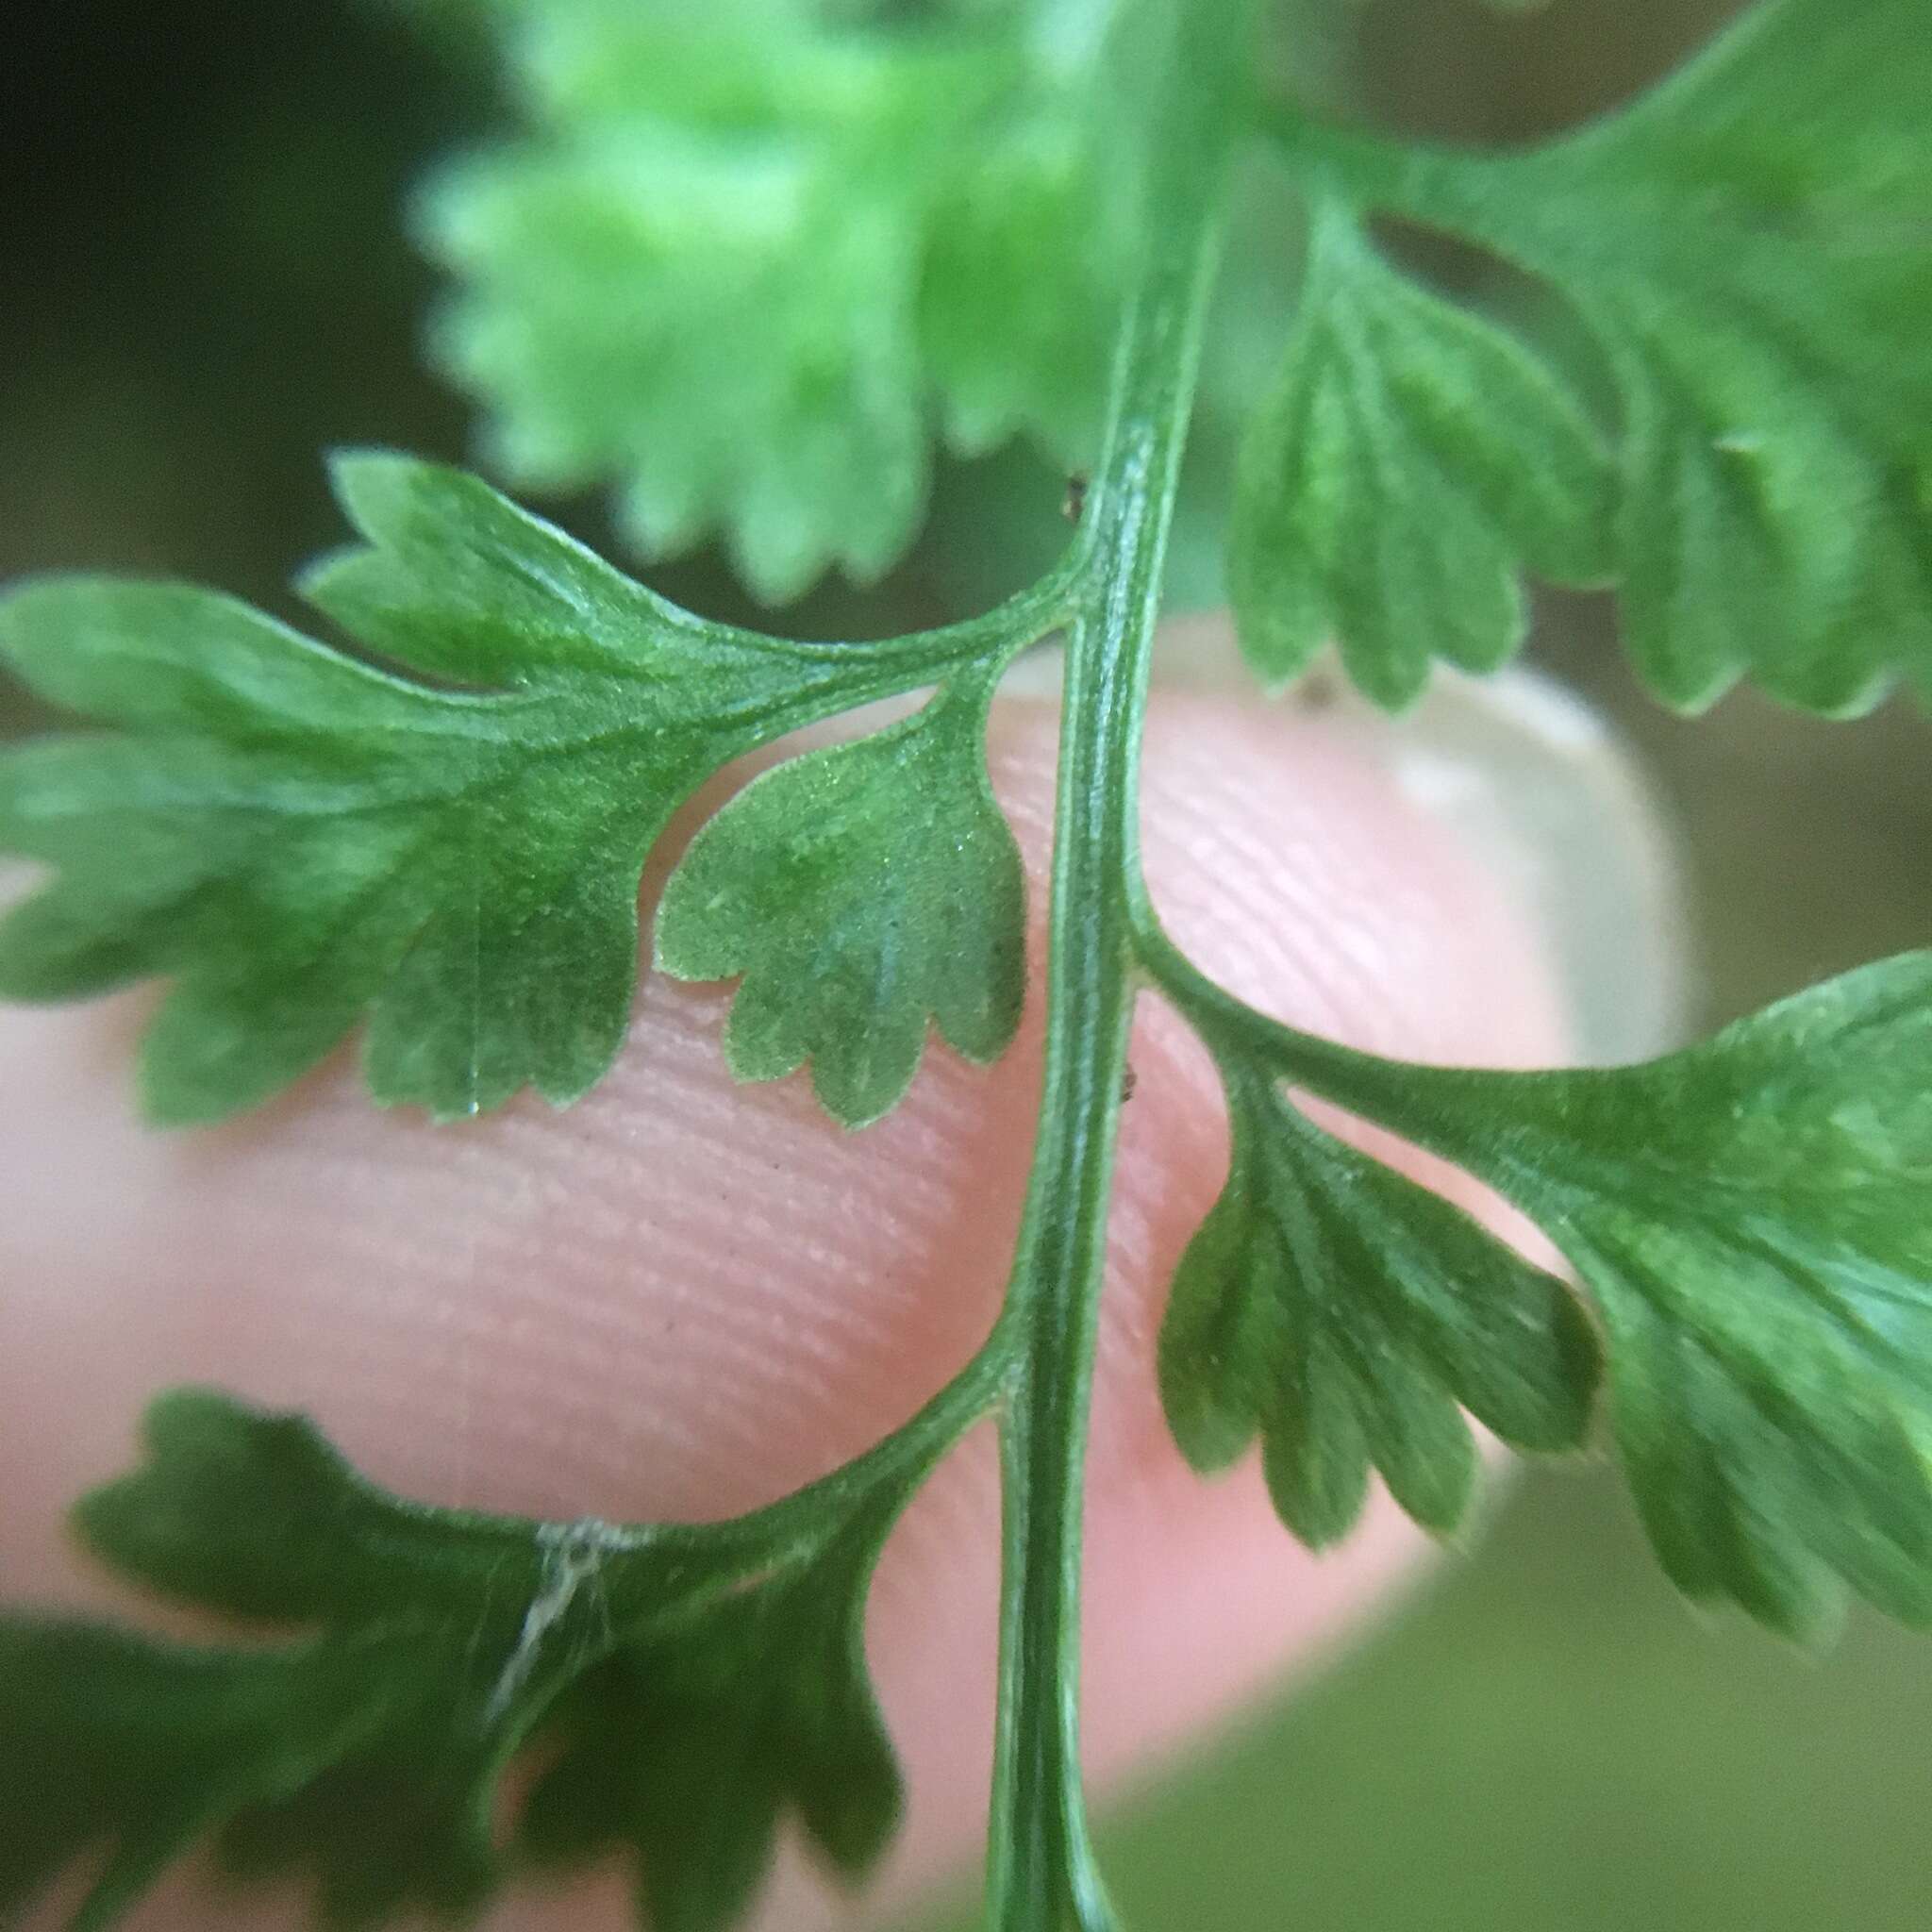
1042,1873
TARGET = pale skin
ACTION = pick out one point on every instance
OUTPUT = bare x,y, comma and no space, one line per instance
684,1297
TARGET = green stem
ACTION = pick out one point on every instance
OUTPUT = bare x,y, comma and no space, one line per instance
1438,186
1422,1103
1041,1874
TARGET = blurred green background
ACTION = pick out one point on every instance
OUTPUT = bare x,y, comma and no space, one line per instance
203,280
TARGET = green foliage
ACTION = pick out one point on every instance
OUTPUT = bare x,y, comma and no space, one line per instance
746,252
860,889
296,836
687,1754
1749,1218
1750,251
744,249
1410,460
1345,1313
698,1685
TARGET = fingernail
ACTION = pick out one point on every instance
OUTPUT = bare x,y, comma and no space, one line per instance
1532,778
